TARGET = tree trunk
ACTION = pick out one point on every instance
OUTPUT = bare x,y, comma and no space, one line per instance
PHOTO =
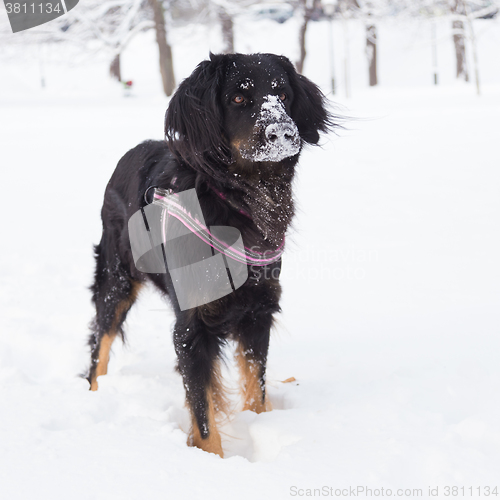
307,13
474,50
459,41
115,68
345,30
434,52
227,31
458,8
371,53
166,61
302,45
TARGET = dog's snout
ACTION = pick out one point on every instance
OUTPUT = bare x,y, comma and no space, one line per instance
278,132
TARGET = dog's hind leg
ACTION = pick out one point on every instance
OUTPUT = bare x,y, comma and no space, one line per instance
198,351
114,293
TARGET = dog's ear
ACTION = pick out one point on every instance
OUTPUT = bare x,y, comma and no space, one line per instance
193,121
309,110
309,107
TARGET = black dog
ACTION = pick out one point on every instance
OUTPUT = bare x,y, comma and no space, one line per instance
234,131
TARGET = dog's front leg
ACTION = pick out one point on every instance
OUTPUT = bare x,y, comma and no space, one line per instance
198,351
251,355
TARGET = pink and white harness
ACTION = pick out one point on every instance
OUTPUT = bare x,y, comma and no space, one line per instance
171,205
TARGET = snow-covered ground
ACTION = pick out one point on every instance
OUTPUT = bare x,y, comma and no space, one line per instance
391,332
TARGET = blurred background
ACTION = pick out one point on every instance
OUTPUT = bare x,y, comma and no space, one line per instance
358,43
391,275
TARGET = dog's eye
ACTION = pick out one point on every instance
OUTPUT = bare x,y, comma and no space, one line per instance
238,99
282,97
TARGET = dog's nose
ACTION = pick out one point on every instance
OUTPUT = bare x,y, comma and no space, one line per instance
279,132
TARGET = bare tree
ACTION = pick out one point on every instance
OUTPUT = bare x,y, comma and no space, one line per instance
463,13
227,30
226,10
371,11
225,15
457,8
467,11
114,23
164,49
371,53
347,9
115,69
307,8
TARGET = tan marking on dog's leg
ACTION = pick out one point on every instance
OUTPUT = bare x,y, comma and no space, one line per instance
218,405
219,393
102,364
250,383
108,338
211,444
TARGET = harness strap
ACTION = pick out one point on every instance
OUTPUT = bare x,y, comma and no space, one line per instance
171,205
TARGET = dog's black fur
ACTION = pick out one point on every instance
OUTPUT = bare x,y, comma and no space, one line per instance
209,123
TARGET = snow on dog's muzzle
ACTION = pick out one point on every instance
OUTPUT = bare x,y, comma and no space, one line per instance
281,135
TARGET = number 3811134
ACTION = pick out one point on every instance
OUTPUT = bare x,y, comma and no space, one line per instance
33,8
